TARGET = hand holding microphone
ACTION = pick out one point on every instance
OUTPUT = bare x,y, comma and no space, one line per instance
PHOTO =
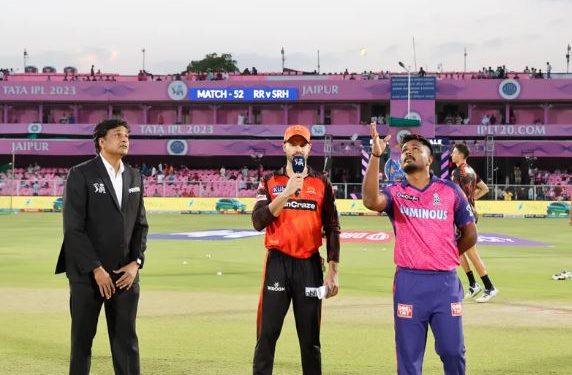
298,166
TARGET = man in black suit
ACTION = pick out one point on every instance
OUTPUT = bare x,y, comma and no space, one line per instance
105,236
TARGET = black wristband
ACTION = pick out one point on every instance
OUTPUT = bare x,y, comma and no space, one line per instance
377,156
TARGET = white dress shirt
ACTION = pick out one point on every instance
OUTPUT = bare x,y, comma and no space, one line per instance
116,178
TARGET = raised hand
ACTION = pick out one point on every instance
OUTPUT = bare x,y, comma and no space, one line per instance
379,145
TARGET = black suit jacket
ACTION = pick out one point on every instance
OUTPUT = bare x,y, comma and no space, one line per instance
97,232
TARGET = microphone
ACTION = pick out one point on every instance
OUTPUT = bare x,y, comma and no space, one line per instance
298,166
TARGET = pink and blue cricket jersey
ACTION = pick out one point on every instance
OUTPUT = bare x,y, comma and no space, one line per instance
427,290
424,223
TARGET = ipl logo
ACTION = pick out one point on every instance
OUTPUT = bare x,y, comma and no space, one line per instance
177,90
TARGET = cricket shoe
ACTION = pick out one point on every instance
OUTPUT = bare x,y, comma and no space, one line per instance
473,291
487,295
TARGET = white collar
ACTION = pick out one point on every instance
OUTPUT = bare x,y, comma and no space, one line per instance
110,168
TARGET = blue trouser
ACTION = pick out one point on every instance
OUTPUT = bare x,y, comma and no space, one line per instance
423,298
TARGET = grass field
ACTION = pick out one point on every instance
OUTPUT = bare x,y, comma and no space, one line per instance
194,321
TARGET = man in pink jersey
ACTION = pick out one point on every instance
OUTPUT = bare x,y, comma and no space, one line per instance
425,212
474,188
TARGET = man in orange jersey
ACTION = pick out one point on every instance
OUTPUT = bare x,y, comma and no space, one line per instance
295,208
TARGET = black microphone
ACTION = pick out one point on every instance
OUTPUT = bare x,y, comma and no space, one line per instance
298,166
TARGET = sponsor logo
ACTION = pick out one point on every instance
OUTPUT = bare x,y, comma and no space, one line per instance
404,311
436,200
509,89
424,213
311,190
177,90
99,188
457,309
276,287
306,205
407,196
135,189
278,189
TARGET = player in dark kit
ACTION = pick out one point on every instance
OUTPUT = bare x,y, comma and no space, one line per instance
295,205
474,188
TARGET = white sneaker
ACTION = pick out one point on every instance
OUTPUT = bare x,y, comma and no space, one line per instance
473,291
562,275
487,295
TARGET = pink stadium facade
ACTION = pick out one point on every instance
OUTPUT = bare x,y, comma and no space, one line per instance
46,116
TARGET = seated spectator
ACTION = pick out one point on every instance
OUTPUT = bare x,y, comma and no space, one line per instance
422,72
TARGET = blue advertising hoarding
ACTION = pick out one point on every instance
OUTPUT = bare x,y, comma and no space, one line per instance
422,88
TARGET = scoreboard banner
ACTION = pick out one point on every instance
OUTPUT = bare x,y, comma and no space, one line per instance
243,94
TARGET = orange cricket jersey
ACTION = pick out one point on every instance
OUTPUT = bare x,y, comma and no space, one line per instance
297,231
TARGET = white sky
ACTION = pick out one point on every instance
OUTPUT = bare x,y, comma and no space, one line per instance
111,34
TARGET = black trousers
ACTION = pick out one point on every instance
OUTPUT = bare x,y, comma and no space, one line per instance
120,312
285,280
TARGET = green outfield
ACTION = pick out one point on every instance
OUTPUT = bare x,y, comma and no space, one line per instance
198,303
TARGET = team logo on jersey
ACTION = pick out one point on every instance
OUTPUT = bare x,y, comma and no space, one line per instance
278,189
99,188
457,309
276,287
311,190
436,200
404,311
407,196
301,204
